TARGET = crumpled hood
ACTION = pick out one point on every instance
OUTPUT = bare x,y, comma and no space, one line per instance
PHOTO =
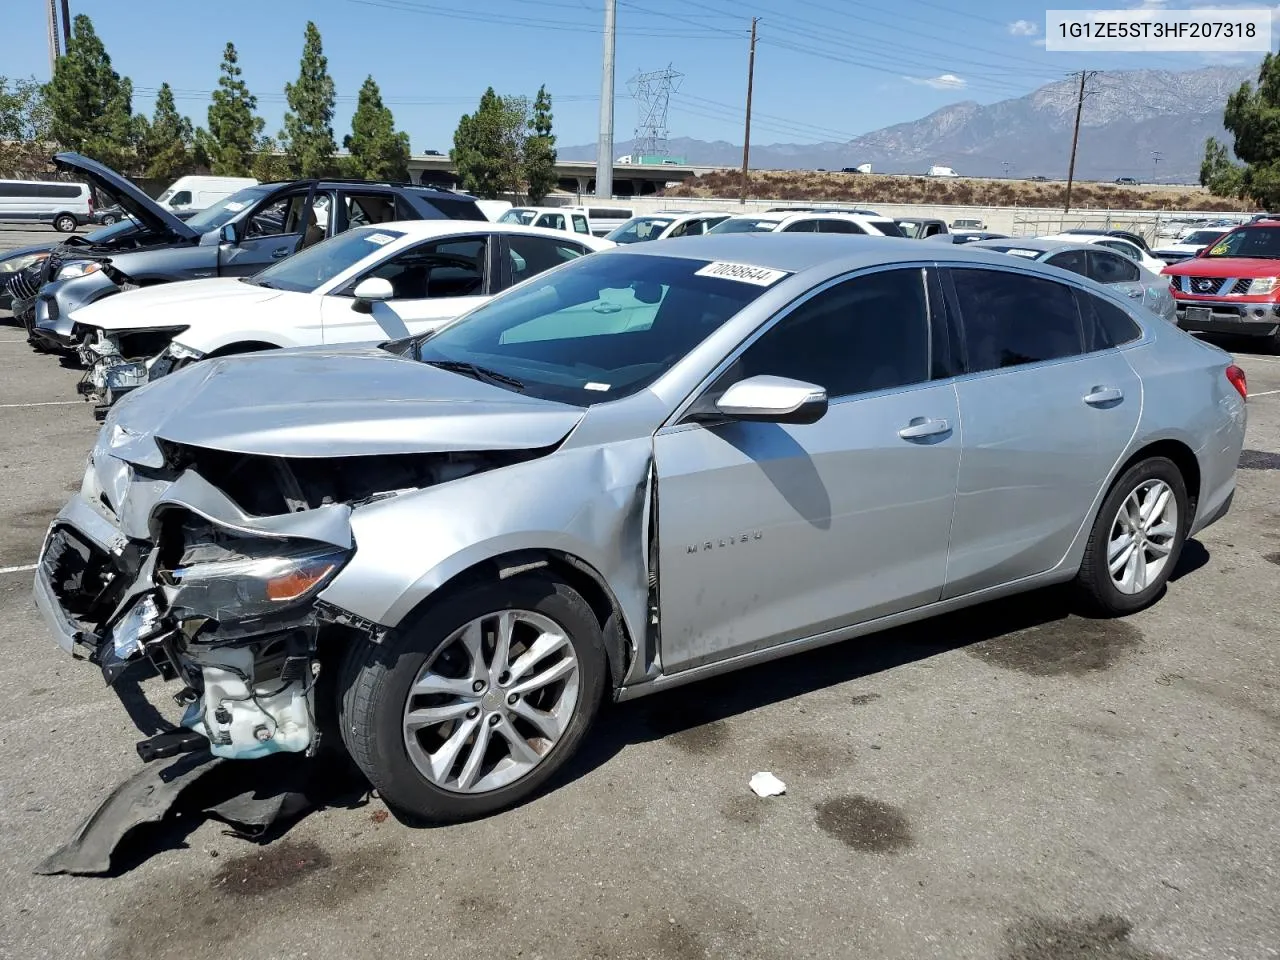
330,402
176,304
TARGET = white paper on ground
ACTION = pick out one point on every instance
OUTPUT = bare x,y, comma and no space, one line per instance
765,784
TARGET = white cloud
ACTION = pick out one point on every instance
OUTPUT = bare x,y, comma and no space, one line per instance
946,81
1039,41
1023,28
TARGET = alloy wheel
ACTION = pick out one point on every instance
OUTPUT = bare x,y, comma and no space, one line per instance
492,702
1142,536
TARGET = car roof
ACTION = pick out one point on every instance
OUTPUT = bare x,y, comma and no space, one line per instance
1043,244
1089,238
425,229
796,252
837,215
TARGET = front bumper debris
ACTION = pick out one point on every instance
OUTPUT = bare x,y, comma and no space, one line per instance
109,375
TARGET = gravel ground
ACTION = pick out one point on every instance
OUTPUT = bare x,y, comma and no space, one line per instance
1013,783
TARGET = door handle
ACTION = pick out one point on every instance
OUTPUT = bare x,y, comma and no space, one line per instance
1135,293
922,428
1101,395
279,253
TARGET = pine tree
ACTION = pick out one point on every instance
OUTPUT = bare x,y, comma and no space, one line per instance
230,141
307,137
540,150
1253,117
91,104
488,145
377,152
164,147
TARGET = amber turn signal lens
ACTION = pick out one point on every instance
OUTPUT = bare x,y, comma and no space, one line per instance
296,582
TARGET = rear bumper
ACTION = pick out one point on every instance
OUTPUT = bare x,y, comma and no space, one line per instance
1227,316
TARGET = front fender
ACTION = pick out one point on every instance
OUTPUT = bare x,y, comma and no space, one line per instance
59,300
591,503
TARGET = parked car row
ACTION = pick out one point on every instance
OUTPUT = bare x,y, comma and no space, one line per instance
615,469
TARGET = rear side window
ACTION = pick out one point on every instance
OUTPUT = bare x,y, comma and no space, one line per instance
1077,261
48,191
839,226
1011,318
580,224
801,226
1107,267
458,209
1105,324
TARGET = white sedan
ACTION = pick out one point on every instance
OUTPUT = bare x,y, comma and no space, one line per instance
425,271
1118,244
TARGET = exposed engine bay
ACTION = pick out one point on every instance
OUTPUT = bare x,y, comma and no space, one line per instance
205,570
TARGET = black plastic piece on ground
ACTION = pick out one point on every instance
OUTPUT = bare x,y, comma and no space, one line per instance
170,744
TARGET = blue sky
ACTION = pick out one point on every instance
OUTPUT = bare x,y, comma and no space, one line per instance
825,69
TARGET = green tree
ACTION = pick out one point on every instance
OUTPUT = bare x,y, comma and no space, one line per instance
269,162
90,104
25,123
164,144
1252,116
307,137
488,145
231,140
540,150
377,151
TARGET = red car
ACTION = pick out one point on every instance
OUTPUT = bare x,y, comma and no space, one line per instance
1233,285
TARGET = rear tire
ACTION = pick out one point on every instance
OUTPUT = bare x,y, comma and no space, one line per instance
1136,539
399,733
65,223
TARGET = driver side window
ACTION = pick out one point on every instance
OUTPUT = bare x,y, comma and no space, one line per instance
284,216
446,268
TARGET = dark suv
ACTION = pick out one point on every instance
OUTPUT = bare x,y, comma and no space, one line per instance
237,236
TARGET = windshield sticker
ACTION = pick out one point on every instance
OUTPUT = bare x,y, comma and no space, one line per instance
742,272
596,386
1218,250
381,239
235,206
1017,252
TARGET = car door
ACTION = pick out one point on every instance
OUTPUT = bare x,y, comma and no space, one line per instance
274,230
770,532
1077,261
551,221
432,282
1044,420
1117,272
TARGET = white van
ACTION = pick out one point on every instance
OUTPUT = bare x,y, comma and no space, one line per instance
65,205
200,193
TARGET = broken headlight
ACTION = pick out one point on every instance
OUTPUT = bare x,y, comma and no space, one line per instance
248,587
14,264
77,268
182,352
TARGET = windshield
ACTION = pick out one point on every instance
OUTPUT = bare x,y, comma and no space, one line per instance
225,209
120,227
1260,242
1202,238
317,265
745,225
599,328
910,230
888,228
639,230
516,215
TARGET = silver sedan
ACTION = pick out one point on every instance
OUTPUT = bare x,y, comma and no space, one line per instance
634,471
1124,275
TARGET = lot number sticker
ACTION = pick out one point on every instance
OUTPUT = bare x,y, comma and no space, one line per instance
742,272
379,238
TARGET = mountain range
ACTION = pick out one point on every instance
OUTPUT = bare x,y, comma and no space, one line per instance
1129,116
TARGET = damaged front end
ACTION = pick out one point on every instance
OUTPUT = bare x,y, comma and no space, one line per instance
119,362
204,566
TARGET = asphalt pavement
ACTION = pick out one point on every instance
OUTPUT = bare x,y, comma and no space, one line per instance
1012,783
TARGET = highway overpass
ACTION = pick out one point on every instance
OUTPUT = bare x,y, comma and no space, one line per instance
575,176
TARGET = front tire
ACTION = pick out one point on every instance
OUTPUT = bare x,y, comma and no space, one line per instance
1136,539
64,223
475,702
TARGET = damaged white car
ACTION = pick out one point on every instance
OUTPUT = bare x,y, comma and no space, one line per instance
416,273
641,468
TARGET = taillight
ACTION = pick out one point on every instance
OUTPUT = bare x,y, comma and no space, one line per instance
1238,380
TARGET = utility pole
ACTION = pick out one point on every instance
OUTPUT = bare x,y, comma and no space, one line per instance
1005,164
746,136
1075,136
604,149
51,13
66,25
1155,165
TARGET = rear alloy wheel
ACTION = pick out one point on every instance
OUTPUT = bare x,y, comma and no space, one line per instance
1137,538
65,223
473,705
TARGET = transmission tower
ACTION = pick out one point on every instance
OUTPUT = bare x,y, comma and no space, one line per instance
652,93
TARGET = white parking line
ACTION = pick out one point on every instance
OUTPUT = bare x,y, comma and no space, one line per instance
42,403
1250,358
22,569
13,341
1263,393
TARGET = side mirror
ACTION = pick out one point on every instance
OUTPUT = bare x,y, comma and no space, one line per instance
767,399
370,291
227,234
